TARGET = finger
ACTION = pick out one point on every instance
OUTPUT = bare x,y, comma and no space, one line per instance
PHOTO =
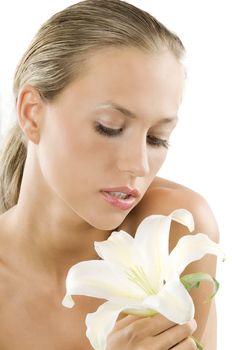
125,320
187,344
149,325
175,335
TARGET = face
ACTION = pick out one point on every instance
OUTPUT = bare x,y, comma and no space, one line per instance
110,129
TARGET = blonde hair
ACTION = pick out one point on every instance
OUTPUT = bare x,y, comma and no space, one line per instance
58,54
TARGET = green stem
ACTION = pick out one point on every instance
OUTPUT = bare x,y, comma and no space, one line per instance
198,344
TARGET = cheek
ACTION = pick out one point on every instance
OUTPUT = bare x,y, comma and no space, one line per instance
157,158
62,156
69,155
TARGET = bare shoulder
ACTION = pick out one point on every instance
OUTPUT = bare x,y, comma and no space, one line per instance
163,196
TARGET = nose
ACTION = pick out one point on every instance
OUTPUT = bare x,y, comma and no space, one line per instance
134,159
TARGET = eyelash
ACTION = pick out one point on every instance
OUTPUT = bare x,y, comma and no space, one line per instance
156,142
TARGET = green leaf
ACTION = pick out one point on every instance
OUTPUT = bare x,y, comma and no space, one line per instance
193,280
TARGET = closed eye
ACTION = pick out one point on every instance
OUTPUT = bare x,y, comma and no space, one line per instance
155,141
109,132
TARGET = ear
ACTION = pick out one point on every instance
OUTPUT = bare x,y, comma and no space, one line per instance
30,112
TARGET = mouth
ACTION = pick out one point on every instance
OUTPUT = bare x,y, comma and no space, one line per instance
119,195
119,200
122,192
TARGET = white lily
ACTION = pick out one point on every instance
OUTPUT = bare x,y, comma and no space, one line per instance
138,275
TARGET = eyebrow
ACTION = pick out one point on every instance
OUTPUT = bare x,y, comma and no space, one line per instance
131,114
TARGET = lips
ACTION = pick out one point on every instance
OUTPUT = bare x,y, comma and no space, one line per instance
123,204
124,189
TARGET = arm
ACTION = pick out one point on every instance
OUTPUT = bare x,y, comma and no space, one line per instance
209,338
205,313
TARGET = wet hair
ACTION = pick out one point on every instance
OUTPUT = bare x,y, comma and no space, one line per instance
59,53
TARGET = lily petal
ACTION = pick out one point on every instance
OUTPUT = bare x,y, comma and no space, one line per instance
117,249
152,242
100,323
183,217
173,301
97,278
188,249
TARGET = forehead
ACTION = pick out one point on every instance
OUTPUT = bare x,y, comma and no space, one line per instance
134,65
143,82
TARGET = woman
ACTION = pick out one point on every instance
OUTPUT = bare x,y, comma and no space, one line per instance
97,96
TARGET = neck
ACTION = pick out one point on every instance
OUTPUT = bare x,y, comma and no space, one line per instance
47,233
51,244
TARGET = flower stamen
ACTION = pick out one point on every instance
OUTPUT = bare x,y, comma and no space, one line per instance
137,275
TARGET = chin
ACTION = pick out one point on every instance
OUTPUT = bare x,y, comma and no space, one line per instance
107,223
107,226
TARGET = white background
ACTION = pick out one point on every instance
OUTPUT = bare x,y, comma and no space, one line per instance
201,145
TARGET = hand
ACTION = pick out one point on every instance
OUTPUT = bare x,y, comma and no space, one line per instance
151,333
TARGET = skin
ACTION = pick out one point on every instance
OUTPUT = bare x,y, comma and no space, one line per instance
60,212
